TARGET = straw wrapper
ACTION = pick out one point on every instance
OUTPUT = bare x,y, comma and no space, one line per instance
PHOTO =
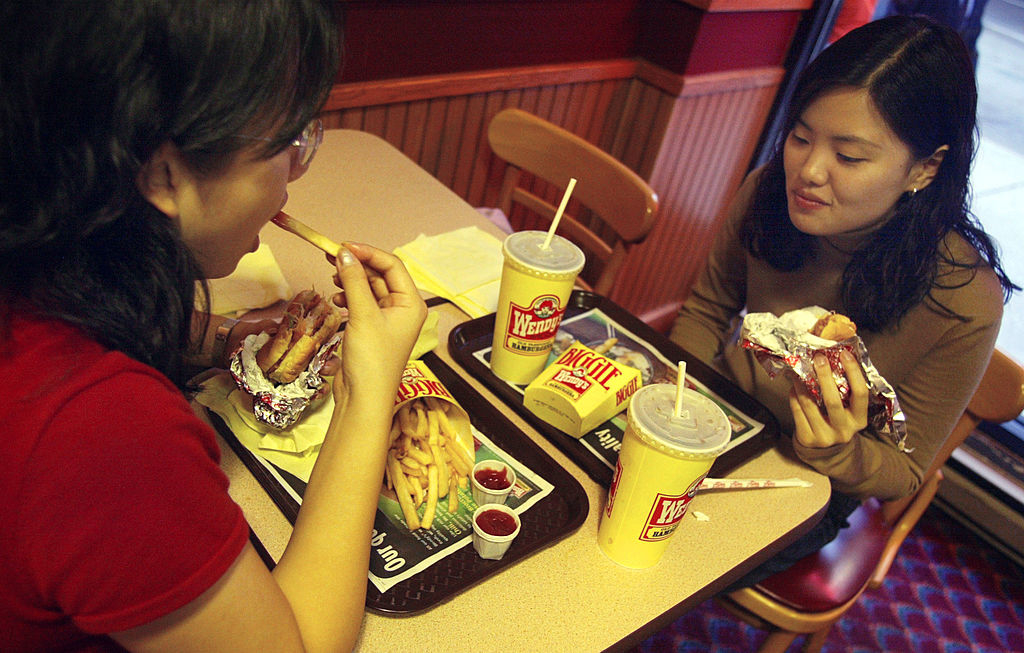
785,344
751,483
276,405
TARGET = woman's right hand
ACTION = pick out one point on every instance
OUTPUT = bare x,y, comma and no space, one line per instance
386,314
836,422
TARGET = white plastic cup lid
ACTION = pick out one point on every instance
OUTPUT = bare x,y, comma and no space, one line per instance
702,431
561,256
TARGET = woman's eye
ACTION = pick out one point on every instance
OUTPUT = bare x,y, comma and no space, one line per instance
847,159
796,137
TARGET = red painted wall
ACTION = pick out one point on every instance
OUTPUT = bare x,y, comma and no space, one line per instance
388,39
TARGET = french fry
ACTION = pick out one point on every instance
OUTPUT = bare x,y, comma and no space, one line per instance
434,442
466,461
412,468
413,451
457,461
453,495
418,494
421,421
402,491
428,513
406,422
425,460
394,433
606,346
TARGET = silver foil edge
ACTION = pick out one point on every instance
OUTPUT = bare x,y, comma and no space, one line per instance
278,406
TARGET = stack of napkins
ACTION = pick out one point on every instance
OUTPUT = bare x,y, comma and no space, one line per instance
463,266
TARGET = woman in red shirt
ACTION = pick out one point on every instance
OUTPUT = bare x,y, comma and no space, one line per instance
145,144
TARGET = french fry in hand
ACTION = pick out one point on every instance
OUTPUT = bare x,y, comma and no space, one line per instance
426,461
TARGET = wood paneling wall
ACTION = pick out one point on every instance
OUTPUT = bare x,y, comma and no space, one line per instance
691,138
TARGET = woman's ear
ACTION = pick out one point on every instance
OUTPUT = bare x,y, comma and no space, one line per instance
924,171
161,179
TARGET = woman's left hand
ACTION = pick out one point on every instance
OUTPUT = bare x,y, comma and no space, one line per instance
837,423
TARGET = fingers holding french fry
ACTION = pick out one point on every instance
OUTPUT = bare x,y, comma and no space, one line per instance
426,461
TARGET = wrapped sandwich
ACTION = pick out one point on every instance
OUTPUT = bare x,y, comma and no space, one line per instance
281,370
788,344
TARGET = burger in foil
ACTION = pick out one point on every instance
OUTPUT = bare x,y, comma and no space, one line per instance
281,371
788,343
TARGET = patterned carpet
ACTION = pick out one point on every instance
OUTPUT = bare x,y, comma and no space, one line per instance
947,592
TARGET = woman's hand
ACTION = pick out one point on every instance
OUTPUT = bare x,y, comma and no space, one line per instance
386,313
838,423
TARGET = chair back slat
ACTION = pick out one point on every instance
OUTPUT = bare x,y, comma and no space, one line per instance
616,195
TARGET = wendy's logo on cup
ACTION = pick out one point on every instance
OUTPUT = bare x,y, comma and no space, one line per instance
546,306
667,511
665,515
537,322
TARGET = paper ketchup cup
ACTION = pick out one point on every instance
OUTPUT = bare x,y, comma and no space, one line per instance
495,525
661,464
492,481
535,287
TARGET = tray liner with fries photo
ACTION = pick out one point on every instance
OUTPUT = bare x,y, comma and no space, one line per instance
608,328
421,553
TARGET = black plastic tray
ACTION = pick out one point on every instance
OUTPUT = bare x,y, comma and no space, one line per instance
558,514
475,335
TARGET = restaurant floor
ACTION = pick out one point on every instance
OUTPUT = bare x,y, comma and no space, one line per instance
948,590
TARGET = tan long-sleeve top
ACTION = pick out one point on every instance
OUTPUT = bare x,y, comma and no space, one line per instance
933,361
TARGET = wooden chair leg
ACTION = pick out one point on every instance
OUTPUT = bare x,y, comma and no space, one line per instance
777,641
816,640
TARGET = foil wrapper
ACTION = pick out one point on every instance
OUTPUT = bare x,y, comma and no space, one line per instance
785,344
279,406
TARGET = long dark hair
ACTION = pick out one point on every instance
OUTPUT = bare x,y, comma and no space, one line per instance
921,79
90,90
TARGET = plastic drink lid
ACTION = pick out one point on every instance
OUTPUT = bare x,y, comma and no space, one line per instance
561,256
703,431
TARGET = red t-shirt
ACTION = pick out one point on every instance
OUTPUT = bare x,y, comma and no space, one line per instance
114,511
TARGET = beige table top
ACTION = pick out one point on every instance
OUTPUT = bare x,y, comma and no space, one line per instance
570,593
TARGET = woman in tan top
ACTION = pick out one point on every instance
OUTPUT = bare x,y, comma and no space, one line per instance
863,210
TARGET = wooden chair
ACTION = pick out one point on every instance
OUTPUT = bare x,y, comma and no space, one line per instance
611,191
815,593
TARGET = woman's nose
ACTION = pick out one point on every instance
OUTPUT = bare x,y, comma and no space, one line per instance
814,169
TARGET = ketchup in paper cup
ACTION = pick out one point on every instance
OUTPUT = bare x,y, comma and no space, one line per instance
492,481
494,528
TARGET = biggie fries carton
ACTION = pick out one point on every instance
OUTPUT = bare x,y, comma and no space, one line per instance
431,450
580,390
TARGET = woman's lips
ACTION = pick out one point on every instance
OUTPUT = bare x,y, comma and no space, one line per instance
807,202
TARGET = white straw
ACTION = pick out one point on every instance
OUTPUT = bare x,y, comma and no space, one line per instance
559,212
680,384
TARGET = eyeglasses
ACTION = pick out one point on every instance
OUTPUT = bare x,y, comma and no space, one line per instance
306,144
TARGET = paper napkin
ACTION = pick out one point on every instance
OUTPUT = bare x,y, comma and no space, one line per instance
463,266
256,282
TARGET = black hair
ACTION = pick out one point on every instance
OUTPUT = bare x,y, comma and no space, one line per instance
90,91
919,76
